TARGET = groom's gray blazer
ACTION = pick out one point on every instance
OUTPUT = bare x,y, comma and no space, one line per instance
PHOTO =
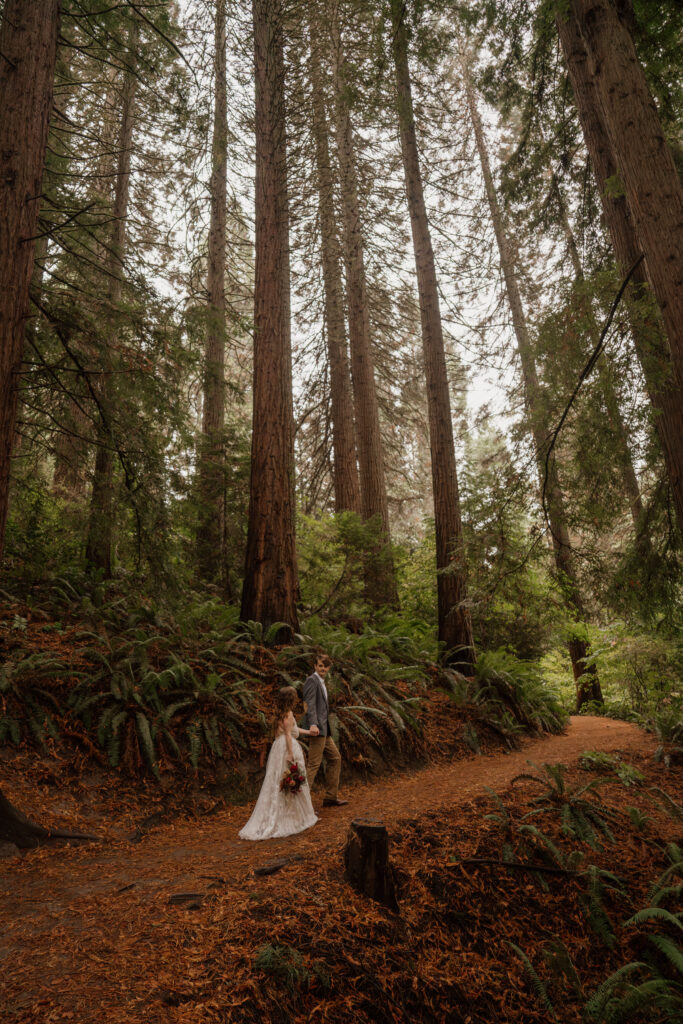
316,705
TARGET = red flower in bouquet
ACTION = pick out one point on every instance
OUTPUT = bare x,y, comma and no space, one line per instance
293,779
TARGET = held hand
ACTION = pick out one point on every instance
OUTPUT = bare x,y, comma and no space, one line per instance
314,730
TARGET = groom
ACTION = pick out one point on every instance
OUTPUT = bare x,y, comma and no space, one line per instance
321,742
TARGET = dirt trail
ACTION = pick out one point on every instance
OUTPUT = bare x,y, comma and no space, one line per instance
190,855
90,933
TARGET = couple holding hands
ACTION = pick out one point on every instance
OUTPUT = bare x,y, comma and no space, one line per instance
284,804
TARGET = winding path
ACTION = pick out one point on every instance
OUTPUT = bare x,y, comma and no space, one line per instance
92,932
185,854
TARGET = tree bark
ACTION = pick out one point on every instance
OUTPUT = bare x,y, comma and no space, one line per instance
346,483
98,552
665,394
28,52
586,678
270,583
366,861
644,161
455,624
211,467
380,580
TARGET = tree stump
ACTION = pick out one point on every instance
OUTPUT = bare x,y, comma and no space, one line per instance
366,861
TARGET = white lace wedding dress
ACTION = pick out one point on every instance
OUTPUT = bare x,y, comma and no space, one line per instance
279,814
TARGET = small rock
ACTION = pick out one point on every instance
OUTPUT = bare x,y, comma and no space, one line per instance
8,850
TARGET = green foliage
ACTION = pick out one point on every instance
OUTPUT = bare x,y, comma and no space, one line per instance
29,707
594,760
582,817
539,987
285,965
504,679
654,985
640,676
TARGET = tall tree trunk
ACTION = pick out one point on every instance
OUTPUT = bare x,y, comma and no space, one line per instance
666,395
627,469
211,468
346,483
644,160
270,582
455,624
98,550
380,580
28,52
586,678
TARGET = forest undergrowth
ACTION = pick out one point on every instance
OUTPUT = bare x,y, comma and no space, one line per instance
126,683
556,900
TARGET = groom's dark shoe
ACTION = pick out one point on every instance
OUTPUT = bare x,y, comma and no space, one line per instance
328,802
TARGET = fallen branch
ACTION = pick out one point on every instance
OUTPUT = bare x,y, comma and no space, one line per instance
515,865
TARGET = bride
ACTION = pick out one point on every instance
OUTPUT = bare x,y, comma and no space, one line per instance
278,813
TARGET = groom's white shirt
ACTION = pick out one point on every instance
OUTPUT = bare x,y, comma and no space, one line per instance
322,683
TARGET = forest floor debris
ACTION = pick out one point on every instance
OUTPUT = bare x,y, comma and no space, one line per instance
93,933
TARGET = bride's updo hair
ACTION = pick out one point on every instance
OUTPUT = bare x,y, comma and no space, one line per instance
286,700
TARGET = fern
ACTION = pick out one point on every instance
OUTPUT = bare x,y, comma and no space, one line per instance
657,914
146,741
598,917
598,1002
560,963
540,988
668,804
670,950
195,742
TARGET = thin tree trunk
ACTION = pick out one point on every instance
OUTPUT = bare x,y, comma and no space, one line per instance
211,468
346,483
380,580
643,157
28,52
455,624
628,473
69,479
586,678
98,552
270,582
665,394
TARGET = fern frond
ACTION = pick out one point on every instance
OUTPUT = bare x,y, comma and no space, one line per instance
670,950
536,981
656,914
146,741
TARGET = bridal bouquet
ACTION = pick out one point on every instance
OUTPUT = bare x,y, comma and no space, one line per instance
293,779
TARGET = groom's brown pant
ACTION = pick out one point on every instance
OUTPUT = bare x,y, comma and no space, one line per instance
317,746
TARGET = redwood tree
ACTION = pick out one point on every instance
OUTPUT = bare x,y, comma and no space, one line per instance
28,51
270,587
380,578
346,484
455,626
211,467
98,552
643,158
665,393
586,678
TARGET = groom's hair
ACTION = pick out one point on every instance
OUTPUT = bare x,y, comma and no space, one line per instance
324,659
